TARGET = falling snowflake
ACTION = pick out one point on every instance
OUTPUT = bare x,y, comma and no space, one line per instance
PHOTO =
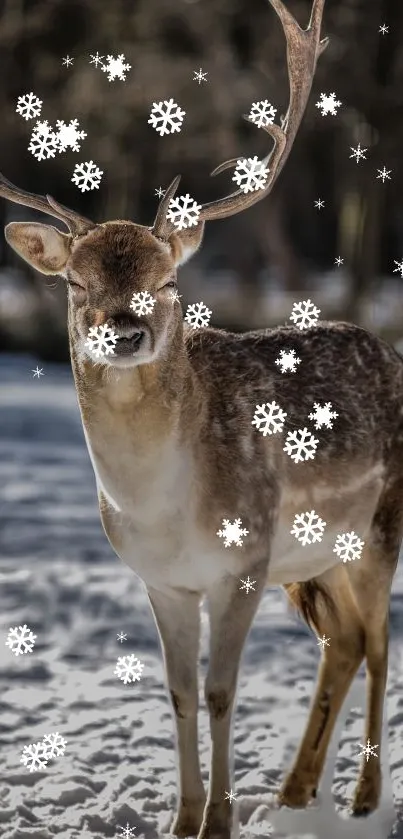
166,117
319,204
160,192
328,104
116,68
399,267
87,176
323,415
29,106
34,756
308,528
348,546
122,636
232,533
250,174
383,29
338,261
262,113
231,796
67,61
304,314
96,59
384,174
288,361
142,303
127,832
21,640
68,136
199,76
128,669
269,418
197,315
38,372
368,750
174,295
323,642
54,745
43,128
247,585
300,445
358,153
43,142
101,340
183,212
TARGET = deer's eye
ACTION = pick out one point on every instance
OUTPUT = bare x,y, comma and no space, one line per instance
170,284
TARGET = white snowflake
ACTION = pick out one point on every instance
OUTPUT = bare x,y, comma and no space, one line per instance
199,76
54,745
68,136
197,315
348,546
142,303
300,445
323,415
368,750
43,142
383,29
358,153
183,212
116,68
250,174
34,756
247,585
127,832
338,261
121,636
231,796
96,59
43,128
262,113
384,174
87,176
129,669
160,192
38,372
67,61
174,295
101,340
166,117
323,642
20,639
308,528
269,418
29,106
399,268
288,360
328,104
304,314
319,204
232,533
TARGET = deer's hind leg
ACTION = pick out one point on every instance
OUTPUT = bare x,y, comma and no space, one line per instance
371,580
336,617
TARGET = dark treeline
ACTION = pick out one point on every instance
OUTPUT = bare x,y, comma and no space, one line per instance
241,47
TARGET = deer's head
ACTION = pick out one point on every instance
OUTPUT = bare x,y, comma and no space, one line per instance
104,265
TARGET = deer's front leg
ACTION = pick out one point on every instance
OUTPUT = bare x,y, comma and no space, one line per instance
178,620
231,614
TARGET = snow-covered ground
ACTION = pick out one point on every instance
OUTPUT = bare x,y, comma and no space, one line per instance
59,576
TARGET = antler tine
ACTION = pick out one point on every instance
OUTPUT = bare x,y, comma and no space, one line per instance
303,50
78,225
161,227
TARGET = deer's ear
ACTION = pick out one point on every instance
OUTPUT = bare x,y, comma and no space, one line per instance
41,245
185,243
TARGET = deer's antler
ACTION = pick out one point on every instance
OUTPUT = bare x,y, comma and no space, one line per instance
78,225
303,50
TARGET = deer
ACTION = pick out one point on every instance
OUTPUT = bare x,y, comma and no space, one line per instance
167,419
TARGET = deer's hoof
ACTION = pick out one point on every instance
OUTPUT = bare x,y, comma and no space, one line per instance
217,821
296,792
366,796
188,820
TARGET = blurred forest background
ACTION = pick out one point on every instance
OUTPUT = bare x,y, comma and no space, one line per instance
252,266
